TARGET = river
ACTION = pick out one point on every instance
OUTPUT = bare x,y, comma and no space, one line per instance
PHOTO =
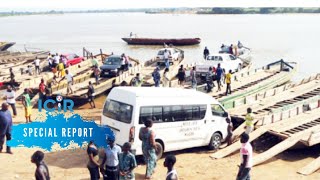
292,37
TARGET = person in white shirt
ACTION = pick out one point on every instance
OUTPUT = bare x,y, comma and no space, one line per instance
69,78
56,60
165,78
166,55
110,163
37,64
169,163
10,96
49,59
63,60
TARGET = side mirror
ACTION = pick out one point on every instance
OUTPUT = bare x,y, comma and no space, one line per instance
225,114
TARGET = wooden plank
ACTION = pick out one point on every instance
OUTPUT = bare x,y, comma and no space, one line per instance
236,146
314,138
282,146
311,167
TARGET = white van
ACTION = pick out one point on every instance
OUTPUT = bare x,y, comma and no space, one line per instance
182,118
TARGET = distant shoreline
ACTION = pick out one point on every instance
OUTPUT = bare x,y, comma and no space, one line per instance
201,11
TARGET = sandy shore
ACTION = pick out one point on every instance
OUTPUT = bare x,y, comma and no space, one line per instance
192,164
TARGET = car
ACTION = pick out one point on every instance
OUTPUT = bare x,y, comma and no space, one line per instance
73,59
112,66
175,55
227,62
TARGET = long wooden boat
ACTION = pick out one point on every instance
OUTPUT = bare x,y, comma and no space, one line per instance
153,41
6,45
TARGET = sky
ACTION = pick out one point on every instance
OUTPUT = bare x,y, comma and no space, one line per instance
42,5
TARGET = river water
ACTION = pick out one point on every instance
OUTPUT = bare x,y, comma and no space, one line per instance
292,37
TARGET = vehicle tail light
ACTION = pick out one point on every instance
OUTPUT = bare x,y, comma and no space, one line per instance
131,134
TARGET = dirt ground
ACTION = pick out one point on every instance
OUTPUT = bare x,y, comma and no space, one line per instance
192,164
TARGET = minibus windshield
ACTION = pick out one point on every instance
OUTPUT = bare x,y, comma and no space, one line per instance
118,111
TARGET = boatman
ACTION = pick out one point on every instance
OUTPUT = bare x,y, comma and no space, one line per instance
249,121
206,53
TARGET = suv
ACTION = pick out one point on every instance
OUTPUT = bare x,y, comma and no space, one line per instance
175,55
112,66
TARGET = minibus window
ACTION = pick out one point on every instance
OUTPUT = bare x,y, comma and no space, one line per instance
118,111
217,110
177,113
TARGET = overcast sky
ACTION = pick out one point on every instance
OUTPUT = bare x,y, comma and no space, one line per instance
40,5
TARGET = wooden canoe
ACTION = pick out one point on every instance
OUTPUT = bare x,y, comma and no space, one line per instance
151,41
6,45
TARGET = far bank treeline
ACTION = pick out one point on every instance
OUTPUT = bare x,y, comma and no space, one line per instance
257,10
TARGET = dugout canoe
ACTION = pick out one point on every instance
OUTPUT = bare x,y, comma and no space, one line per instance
154,41
6,45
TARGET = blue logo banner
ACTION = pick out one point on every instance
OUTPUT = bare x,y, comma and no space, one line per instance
61,131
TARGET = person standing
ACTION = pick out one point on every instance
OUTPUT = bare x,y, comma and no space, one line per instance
229,137
5,126
96,72
111,160
93,163
127,163
169,163
181,76
49,59
146,135
228,81
70,81
10,96
37,65
42,171
209,80
156,77
231,49
123,62
136,81
193,75
206,53
64,60
56,60
26,102
90,94
249,121
42,91
165,78
219,73
94,62
166,55
246,158
60,68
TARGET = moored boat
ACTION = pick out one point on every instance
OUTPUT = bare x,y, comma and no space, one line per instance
6,45
155,41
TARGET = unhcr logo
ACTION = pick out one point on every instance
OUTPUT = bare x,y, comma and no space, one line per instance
65,104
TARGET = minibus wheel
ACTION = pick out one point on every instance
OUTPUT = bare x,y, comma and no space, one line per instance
159,150
215,141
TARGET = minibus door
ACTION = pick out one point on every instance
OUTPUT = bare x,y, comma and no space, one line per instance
218,117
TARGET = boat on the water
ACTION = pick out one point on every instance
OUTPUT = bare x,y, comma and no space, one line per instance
6,45
155,41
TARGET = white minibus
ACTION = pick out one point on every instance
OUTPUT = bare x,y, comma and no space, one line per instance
182,118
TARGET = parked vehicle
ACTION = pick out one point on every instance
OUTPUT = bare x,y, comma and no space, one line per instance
175,55
182,118
73,59
227,62
112,66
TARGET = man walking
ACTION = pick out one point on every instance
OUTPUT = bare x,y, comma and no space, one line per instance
26,102
10,96
42,91
219,73
37,65
228,82
246,158
156,77
69,78
90,94
5,126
